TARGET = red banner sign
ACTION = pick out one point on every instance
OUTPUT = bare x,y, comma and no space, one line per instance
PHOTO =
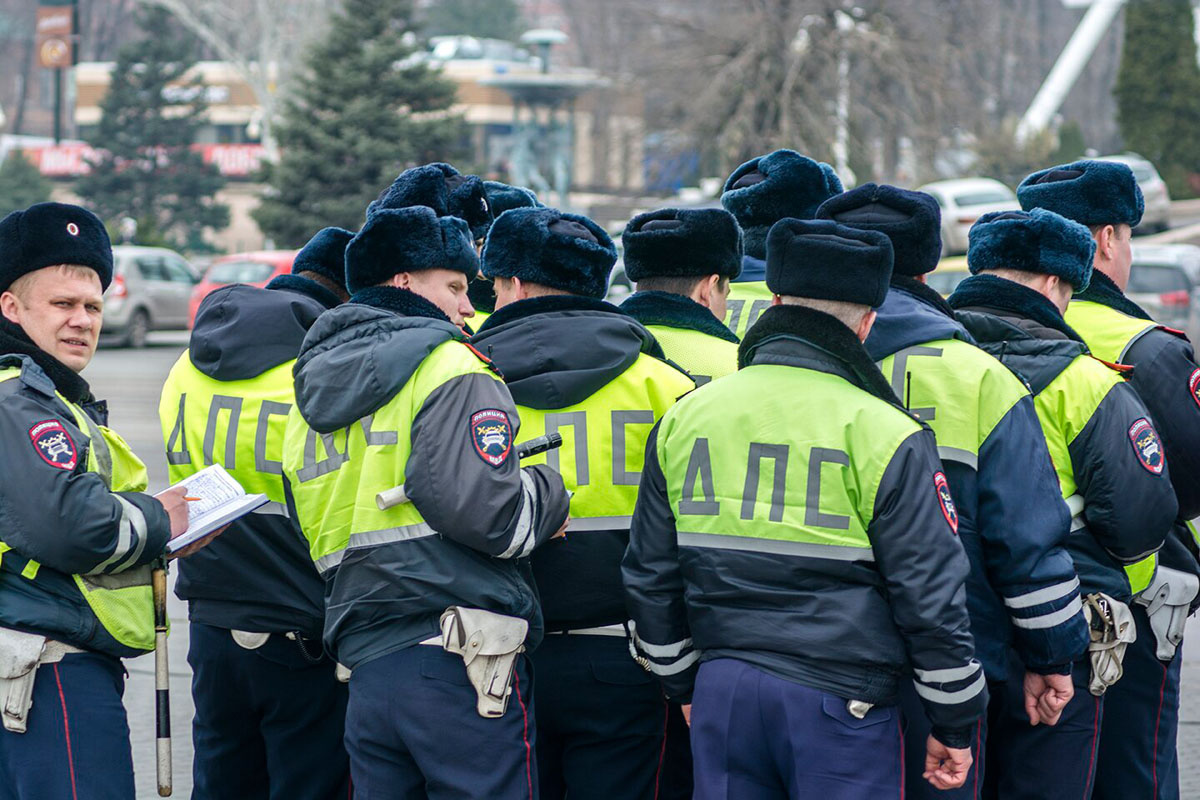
71,160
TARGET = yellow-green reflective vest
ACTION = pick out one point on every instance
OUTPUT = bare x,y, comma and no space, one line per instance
1064,408
704,357
335,476
957,390
1107,332
800,486
747,301
123,601
604,441
239,424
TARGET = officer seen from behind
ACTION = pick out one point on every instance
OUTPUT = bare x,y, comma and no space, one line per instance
578,366
400,458
793,551
77,531
682,261
269,710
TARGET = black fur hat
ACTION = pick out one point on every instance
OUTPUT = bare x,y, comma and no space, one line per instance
674,242
912,220
442,188
1088,192
568,252
325,254
49,234
769,188
1034,241
823,260
409,239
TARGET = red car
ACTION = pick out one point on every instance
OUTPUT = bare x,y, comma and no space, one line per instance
256,269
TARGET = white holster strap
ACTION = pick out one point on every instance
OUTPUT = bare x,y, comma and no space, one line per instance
1167,600
20,656
249,640
1110,623
489,644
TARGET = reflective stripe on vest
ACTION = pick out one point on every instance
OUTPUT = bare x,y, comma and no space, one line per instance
604,441
123,602
704,357
747,301
960,391
745,471
1064,408
334,477
1107,332
237,424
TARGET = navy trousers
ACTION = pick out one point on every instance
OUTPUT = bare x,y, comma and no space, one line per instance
759,737
1027,762
601,719
916,733
76,744
269,721
1141,724
413,733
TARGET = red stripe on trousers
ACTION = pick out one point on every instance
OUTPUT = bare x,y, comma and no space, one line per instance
900,728
1162,690
525,736
1087,785
662,753
67,732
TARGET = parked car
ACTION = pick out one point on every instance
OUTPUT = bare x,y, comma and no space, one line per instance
1157,216
256,268
949,274
1165,281
149,292
965,200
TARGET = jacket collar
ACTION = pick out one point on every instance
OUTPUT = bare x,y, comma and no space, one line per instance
675,311
306,287
398,301
1104,291
795,335
69,383
1007,298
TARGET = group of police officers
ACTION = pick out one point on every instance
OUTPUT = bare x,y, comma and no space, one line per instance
811,530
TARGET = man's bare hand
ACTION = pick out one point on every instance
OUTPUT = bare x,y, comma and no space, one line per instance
562,532
687,714
197,546
945,767
1046,696
176,506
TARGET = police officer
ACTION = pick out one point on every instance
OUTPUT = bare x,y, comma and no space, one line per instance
269,710
682,261
1111,469
1022,590
578,366
501,197
1137,755
759,193
78,533
392,403
793,550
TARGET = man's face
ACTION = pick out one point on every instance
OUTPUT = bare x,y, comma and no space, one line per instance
446,289
60,311
1122,254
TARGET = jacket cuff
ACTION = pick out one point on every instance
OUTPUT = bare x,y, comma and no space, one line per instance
956,738
1052,669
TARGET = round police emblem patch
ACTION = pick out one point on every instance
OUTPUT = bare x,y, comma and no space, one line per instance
52,442
1194,386
1147,445
946,501
491,434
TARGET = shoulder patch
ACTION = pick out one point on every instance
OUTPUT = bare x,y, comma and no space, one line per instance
491,434
1194,386
1147,446
946,501
52,442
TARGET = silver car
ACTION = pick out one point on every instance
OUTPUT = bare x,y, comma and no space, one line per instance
1164,281
1157,216
149,292
964,200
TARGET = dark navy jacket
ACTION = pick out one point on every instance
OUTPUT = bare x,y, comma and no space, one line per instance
256,576
1013,522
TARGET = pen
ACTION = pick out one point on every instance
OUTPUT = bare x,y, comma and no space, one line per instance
193,499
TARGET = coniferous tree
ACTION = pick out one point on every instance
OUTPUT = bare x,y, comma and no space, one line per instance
364,109
21,185
1158,89
149,120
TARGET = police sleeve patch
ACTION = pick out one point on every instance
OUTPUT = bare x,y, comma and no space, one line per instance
946,501
1147,446
1194,386
491,434
55,446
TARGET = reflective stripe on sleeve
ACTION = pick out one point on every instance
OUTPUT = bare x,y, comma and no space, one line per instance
523,538
950,698
131,537
1051,619
675,667
1046,594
